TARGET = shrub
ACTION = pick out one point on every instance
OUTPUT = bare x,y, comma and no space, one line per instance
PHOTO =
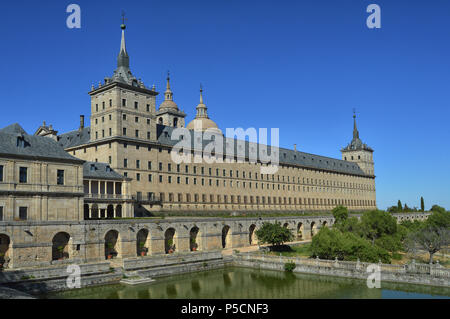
332,243
289,267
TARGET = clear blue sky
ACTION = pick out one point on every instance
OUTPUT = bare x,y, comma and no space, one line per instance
301,66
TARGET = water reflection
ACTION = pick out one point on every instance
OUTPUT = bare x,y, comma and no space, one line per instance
243,283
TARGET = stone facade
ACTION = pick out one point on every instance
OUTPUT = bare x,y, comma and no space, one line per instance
124,133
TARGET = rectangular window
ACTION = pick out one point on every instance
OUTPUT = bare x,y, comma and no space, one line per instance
124,131
60,177
136,119
23,212
136,104
148,135
1,173
138,164
110,102
138,177
137,133
124,102
150,178
124,117
148,107
1,213
125,162
149,165
110,160
23,175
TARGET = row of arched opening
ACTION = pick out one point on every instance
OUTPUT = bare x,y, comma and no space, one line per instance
62,246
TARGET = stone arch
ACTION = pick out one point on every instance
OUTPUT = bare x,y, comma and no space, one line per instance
252,238
169,241
286,225
61,246
325,223
313,228
86,211
160,121
95,211
226,237
194,239
110,212
143,242
5,244
112,244
300,230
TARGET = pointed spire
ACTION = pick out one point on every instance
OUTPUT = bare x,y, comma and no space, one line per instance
168,94
168,80
202,110
355,129
201,94
123,59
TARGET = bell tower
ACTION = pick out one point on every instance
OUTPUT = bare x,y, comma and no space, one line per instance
122,106
358,152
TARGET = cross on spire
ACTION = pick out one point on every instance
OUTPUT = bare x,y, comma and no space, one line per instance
123,20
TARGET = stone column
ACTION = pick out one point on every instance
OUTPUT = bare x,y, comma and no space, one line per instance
306,231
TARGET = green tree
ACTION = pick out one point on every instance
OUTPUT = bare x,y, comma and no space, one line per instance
376,223
437,208
439,218
429,239
351,224
393,209
422,204
332,243
274,234
399,206
340,214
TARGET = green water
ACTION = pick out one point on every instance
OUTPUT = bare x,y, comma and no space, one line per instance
245,283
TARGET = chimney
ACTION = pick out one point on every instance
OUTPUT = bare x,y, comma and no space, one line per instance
81,122
295,147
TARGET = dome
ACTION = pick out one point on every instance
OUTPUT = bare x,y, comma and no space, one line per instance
168,104
205,124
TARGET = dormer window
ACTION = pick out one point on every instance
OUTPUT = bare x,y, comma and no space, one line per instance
20,142
92,167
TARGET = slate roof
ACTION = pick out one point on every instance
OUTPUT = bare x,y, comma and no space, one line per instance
38,147
96,170
75,138
286,156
